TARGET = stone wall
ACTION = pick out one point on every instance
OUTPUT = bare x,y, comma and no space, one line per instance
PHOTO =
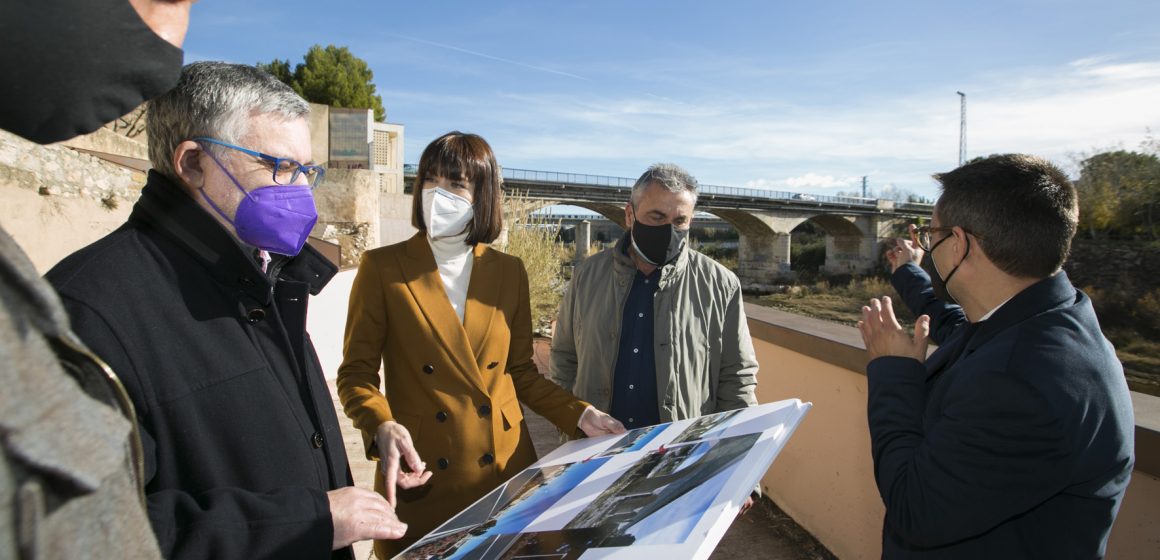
348,208
56,170
57,200
1114,265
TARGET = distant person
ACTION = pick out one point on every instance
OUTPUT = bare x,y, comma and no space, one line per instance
652,330
70,481
447,318
1015,437
199,303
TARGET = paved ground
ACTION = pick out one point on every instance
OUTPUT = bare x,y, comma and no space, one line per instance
765,532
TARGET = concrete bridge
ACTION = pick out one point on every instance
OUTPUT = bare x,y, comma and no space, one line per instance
600,229
854,227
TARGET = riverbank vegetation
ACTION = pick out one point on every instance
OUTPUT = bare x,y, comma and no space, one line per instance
1125,323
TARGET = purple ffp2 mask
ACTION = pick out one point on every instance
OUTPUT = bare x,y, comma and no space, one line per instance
275,218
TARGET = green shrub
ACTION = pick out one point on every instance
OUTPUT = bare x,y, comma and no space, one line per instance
807,258
1147,312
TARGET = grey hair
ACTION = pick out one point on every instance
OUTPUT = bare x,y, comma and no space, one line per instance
668,175
215,100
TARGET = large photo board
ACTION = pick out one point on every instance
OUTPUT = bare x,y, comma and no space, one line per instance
668,491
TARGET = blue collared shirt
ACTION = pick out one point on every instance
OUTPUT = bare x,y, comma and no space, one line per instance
634,381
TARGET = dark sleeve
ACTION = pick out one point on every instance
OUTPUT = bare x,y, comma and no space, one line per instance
292,522
993,452
913,286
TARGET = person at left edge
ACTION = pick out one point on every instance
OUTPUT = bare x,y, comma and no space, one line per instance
70,473
448,320
199,303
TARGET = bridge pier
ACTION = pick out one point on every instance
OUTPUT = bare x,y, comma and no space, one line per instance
763,259
583,241
858,251
848,254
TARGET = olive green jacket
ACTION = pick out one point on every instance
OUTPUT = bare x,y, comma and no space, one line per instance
704,356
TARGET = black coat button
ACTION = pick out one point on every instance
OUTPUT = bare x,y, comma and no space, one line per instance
441,416
487,459
492,365
317,440
443,463
255,315
428,368
484,410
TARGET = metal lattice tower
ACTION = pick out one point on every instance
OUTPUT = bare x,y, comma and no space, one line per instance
962,127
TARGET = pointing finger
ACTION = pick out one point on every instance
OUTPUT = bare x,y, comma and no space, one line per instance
391,476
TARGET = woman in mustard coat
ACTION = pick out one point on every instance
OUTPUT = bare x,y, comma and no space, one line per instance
448,319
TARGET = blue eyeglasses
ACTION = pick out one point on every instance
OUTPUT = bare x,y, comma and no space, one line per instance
286,171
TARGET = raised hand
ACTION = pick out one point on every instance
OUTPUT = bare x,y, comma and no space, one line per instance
904,251
883,335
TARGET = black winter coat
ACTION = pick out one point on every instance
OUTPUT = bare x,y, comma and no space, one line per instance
240,435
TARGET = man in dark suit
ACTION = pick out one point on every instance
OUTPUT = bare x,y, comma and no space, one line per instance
199,303
1014,438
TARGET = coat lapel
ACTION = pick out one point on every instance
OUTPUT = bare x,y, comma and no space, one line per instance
482,297
426,287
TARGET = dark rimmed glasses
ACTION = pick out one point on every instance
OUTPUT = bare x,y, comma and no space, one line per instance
922,236
285,170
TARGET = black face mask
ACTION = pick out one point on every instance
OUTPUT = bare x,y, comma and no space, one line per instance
659,245
71,66
937,282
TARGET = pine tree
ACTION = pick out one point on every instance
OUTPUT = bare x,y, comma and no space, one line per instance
331,76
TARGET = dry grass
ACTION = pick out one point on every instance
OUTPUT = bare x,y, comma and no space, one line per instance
840,304
1141,359
532,238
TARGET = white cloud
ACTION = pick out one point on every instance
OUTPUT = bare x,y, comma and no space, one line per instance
809,181
761,139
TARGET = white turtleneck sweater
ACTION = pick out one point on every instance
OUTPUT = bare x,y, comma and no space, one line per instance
454,258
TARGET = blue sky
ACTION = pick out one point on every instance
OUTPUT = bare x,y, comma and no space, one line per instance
801,96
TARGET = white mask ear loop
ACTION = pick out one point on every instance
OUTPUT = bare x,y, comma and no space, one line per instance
445,213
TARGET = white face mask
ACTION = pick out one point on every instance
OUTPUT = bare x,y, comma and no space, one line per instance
447,214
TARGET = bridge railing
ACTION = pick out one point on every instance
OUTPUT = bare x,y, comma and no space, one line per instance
765,194
914,206
554,177
569,178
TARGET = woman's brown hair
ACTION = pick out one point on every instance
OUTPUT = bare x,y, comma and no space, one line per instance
458,155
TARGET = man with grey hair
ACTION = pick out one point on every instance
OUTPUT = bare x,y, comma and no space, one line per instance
651,330
199,303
